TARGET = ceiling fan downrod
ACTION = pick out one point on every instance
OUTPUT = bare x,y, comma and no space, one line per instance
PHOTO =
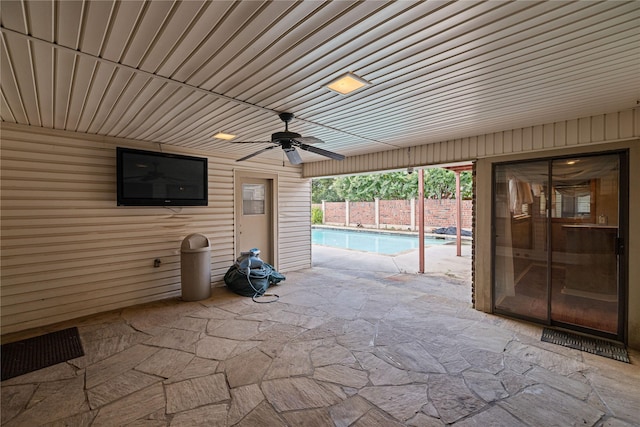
286,118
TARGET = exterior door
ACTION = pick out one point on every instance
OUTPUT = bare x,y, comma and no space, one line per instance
558,237
254,216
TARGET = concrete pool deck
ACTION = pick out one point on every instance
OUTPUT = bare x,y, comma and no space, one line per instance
439,259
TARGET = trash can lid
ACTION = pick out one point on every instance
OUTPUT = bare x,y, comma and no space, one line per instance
195,243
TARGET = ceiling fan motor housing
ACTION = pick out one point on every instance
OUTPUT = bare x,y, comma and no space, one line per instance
286,136
280,136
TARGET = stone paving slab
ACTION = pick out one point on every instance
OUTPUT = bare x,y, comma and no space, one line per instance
134,407
195,392
244,400
364,346
297,393
210,415
118,387
109,368
62,401
543,405
400,401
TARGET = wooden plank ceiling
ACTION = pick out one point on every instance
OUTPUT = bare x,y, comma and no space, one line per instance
179,72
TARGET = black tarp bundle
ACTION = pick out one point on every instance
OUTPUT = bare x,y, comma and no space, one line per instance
250,276
451,231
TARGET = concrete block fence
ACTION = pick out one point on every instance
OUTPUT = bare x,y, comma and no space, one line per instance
395,214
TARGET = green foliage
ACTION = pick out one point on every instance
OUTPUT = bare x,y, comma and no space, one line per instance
441,184
322,189
466,185
316,215
387,186
438,184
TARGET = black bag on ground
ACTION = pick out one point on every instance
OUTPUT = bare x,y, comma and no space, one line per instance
249,276
451,231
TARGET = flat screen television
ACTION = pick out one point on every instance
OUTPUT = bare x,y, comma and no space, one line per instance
149,178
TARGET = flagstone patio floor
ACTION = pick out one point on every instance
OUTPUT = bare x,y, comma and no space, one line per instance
356,347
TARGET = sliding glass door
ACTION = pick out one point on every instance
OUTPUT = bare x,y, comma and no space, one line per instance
521,244
557,242
521,253
585,231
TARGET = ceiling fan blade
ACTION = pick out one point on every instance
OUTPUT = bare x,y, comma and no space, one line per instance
256,153
293,156
322,152
309,140
250,142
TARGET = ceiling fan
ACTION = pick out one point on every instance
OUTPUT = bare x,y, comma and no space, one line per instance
288,141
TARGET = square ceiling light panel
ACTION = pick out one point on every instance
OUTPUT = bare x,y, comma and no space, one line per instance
225,136
347,84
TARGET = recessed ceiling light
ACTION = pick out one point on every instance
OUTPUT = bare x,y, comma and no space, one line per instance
226,136
347,84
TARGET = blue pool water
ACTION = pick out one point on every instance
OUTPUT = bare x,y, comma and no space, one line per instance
382,243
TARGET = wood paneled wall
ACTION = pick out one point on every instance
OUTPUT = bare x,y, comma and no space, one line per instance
588,130
69,251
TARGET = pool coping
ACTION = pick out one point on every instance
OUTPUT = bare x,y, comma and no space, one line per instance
386,231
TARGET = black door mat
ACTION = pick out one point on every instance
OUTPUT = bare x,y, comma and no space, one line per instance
22,357
590,345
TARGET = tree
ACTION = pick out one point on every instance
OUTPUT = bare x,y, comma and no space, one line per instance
439,184
466,185
387,186
322,189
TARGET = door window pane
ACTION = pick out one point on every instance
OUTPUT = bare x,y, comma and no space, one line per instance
253,199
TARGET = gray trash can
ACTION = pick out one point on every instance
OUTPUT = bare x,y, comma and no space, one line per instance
195,267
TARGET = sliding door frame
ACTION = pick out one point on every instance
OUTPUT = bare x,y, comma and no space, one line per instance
623,236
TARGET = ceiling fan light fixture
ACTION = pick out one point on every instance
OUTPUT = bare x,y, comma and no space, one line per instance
347,84
225,136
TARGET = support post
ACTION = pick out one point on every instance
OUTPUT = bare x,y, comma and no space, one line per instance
421,220
377,211
413,214
458,170
324,210
458,216
346,213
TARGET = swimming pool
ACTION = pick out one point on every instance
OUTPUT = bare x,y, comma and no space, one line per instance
382,243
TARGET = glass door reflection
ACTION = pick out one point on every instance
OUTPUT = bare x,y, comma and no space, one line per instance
521,254
584,221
